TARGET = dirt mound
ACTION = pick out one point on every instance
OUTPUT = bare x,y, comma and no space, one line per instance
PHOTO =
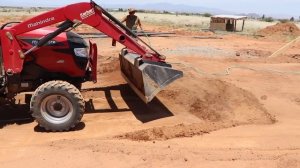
280,29
177,131
254,53
216,103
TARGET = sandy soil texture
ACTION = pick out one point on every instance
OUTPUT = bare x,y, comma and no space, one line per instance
235,107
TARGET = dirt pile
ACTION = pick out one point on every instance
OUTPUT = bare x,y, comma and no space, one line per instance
216,103
254,53
171,132
280,29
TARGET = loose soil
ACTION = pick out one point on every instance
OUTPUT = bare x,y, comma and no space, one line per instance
247,118
283,31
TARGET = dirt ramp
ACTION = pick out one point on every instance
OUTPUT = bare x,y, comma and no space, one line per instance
216,103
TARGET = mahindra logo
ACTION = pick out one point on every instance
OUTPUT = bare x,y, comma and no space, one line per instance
30,25
87,14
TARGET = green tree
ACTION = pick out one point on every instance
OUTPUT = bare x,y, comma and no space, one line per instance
292,19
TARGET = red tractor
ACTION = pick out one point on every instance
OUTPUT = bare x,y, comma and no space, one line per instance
54,62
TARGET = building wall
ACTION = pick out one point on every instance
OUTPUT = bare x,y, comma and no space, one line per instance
217,26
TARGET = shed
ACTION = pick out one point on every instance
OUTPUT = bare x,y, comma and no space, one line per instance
226,22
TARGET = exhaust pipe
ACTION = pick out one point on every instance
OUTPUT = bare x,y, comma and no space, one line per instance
146,78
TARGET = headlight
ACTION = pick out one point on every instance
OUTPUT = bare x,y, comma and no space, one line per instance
81,52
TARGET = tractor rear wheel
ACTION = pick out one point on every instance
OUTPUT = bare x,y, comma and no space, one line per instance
57,106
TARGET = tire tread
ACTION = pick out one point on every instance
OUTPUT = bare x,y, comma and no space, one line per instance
56,85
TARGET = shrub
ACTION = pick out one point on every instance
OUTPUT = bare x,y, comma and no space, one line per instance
207,15
269,19
284,20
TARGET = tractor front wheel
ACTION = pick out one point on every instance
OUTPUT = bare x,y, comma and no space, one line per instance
57,106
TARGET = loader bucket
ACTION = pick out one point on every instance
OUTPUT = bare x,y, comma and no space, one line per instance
146,78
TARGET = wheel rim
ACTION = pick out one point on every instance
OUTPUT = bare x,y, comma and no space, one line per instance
56,109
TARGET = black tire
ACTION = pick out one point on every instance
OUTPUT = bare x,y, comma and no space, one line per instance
78,85
57,106
28,98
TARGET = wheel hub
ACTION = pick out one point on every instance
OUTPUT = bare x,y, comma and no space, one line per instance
56,109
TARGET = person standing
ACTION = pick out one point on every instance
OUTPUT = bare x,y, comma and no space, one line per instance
132,21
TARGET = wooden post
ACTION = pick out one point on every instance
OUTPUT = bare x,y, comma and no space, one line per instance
243,25
211,24
234,21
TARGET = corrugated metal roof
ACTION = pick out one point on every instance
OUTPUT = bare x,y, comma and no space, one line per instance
230,17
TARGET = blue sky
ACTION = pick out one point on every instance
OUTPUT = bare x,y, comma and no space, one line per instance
277,7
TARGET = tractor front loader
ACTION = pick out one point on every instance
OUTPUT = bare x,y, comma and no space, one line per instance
53,62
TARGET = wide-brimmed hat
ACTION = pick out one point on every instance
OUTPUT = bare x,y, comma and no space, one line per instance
131,10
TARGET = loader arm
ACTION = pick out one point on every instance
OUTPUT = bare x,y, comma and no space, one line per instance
80,13
143,68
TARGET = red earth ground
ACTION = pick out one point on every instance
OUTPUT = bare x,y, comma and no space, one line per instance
235,107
